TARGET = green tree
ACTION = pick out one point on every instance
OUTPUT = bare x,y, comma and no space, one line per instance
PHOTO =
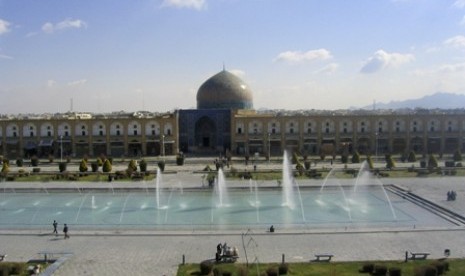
143,165
412,157
107,167
83,166
390,163
432,162
370,162
5,167
356,157
457,155
132,166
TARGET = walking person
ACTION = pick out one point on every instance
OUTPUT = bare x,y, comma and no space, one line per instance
55,225
65,230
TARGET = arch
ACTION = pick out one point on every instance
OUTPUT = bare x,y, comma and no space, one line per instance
205,133
152,128
46,130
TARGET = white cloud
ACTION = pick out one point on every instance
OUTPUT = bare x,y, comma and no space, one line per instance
5,57
51,83
443,69
298,56
4,26
77,82
329,69
456,41
189,4
382,60
452,68
459,4
63,25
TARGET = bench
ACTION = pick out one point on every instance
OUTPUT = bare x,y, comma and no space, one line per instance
323,257
48,255
2,257
418,255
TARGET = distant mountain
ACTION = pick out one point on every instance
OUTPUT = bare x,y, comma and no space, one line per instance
439,100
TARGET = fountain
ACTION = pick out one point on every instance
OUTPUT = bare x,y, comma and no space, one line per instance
358,202
221,190
287,183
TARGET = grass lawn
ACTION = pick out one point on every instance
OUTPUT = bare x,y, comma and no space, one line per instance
456,268
20,269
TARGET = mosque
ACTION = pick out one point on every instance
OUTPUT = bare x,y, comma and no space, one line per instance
225,122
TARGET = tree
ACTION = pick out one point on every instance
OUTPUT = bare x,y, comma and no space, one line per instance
132,166
356,157
432,162
457,155
370,162
390,163
5,167
412,157
107,166
143,165
83,166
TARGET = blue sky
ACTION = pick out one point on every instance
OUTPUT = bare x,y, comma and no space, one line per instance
153,55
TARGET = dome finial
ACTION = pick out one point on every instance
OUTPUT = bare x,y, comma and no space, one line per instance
224,67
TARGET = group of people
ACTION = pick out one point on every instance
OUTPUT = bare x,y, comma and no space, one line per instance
225,250
451,195
65,229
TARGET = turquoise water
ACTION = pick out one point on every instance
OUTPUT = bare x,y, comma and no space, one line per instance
192,210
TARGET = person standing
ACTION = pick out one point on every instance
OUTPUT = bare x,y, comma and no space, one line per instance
55,226
65,230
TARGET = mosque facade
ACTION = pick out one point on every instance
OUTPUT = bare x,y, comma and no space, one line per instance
225,122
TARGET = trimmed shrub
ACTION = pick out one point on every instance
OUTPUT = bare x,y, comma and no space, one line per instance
395,271
83,166
99,162
36,170
161,165
380,270
370,162
180,159
432,162
449,164
367,268
34,161
143,165
344,159
94,166
356,157
390,163
62,166
307,164
107,166
19,162
283,268
132,166
206,267
457,156
5,167
412,157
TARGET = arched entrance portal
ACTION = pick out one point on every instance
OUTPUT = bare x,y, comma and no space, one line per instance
205,134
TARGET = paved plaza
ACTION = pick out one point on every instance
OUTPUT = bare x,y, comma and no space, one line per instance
141,252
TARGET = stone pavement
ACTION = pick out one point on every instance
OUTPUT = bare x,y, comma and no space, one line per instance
160,253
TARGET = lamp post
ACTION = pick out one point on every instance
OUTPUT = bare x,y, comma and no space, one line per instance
269,148
61,148
376,145
163,146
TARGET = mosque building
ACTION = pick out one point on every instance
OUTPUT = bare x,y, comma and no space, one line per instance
225,122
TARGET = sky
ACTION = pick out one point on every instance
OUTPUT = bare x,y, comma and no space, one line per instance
105,55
